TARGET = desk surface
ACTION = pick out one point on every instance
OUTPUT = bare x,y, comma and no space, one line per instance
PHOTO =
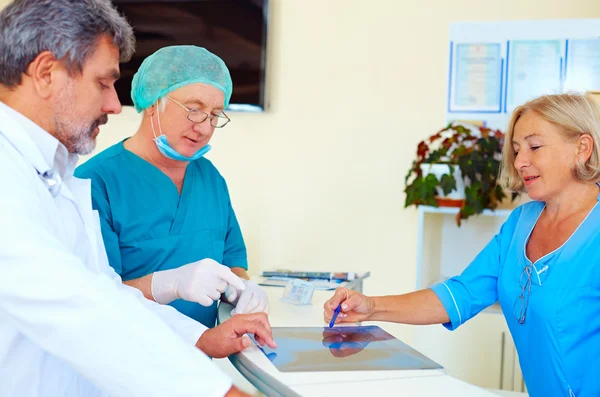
255,366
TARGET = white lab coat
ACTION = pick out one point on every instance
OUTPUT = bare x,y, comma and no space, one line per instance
68,326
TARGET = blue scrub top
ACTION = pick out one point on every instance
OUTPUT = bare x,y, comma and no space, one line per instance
559,342
148,226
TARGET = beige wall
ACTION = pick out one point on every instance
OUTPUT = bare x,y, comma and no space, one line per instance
317,181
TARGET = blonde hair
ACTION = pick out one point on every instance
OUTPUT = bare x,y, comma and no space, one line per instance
574,115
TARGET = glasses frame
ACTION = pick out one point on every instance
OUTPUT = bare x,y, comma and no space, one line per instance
525,282
523,299
206,115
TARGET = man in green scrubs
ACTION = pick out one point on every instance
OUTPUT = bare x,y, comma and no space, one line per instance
167,221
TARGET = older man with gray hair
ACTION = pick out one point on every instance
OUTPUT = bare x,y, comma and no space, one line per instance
68,326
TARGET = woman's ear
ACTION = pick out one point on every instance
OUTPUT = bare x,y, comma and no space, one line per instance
585,147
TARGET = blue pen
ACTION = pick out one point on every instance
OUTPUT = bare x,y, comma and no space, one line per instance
335,314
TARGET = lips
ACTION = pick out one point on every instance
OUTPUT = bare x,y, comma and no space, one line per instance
194,141
530,179
98,122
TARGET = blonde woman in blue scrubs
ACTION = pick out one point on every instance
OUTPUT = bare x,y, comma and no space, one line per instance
167,220
544,264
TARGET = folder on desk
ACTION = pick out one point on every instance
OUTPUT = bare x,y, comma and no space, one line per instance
342,348
319,284
342,276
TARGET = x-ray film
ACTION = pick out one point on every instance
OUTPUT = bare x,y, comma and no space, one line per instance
354,348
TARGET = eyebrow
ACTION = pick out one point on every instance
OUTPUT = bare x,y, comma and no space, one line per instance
111,74
194,102
528,137
201,104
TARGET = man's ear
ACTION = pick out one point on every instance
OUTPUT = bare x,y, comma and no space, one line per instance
44,72
150,110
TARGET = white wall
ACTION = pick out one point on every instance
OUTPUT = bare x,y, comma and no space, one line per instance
317,181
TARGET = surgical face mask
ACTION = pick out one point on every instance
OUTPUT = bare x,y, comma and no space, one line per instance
166,150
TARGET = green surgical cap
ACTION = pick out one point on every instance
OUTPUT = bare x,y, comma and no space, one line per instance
174,67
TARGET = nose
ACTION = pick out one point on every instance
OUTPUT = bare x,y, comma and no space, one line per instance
204,128
111,104
521,160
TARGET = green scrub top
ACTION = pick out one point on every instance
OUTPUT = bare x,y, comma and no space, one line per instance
148,226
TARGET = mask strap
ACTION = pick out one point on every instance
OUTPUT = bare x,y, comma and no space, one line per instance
158,118
152,125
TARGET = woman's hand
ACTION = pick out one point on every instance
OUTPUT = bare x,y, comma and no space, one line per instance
355,306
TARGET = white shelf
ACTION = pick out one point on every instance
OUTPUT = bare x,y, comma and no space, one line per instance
454,211
445,249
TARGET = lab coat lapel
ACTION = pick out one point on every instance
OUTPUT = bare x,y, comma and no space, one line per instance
20,139
80,191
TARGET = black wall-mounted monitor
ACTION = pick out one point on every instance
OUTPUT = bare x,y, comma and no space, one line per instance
235,30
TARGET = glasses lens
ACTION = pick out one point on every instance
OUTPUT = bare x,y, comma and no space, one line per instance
525,279
522,301
520,309
197,116
219,121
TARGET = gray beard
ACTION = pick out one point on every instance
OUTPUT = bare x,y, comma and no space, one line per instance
78,141
77,138
72,131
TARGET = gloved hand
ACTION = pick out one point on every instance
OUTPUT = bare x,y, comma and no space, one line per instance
201,282
251,299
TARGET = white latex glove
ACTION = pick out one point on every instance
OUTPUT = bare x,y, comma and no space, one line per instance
203,282
251,299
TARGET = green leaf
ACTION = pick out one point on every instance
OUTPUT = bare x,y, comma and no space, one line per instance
421,191
447,183
431,180
410,172
467,211
427,188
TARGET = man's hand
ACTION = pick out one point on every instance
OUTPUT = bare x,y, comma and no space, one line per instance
228,338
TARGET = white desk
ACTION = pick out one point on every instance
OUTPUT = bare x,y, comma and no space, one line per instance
255,366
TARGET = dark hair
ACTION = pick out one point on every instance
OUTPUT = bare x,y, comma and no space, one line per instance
70,29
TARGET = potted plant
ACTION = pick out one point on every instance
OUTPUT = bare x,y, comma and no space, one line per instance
457,166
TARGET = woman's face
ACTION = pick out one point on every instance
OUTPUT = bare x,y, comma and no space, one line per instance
544,157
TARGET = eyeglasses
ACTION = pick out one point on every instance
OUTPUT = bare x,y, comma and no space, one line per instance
522,302
198,116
